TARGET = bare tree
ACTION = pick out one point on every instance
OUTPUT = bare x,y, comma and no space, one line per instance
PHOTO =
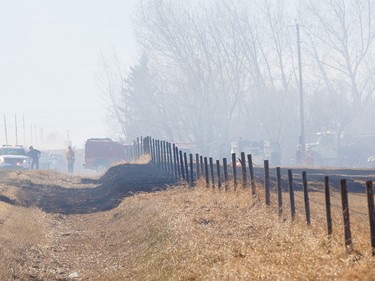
341,41
184,45
272,99
227,69
110,81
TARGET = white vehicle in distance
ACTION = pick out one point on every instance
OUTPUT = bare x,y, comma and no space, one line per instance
14,157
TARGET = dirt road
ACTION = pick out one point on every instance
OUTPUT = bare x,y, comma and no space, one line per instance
47,219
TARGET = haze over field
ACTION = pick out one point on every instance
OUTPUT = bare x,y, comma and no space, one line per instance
232,184
49,56
207,73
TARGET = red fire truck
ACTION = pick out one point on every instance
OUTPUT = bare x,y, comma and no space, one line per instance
101,153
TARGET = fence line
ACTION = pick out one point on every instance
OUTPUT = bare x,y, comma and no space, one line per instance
174,162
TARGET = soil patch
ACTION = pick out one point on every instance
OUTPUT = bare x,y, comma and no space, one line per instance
108,191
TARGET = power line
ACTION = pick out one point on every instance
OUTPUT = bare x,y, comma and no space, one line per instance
302,140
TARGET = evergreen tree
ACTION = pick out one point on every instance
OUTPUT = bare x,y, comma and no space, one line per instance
139,101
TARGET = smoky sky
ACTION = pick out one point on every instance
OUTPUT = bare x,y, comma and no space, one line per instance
49,57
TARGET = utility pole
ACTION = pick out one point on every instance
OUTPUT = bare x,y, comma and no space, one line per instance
31,134
302,137
15,122
41,135
6,131
24,130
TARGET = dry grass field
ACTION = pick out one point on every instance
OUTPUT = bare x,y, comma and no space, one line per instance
176,234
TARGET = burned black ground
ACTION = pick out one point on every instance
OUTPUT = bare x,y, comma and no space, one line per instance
107,193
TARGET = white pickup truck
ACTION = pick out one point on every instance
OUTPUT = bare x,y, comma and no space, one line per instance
14,157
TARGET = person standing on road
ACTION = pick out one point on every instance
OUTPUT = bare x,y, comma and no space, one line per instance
299,155
34,154
70,159
309,156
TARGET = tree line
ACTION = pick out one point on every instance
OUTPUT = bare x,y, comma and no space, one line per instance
214,71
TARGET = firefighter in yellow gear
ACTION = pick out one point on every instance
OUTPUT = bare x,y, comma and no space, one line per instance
70,159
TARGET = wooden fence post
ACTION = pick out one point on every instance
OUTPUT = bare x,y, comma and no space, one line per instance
167,162
252,178
166,159
178,169
225,167
267,182
212,172
197,165
153,154
171,160
291,195
150,145
243,165
234,164
134,149
201,161
279,192
158,153
154,151
306,197
371,212
137,149
218,174
135,153
191,170
345,212
186,167
206,172
144,145
328,206
182,165
162,156
149,142
165,155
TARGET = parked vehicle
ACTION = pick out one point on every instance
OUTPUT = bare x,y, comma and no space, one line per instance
187,147
345,151
101,153
57,162
44,161
259,150
14,157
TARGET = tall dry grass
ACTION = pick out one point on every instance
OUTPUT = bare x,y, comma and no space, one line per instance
201,234
193,234
21,232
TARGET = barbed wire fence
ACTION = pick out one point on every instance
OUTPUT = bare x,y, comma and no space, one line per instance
221,174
